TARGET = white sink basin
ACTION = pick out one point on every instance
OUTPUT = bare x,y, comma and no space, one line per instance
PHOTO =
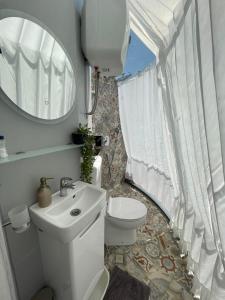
67,216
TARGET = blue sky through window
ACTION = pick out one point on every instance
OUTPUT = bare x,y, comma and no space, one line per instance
138,56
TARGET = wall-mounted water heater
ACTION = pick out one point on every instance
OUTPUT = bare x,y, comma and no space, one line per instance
105,34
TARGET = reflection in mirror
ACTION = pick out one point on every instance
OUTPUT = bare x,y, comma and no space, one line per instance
35,72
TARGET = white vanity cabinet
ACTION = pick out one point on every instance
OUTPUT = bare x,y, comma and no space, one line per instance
71,236
73,269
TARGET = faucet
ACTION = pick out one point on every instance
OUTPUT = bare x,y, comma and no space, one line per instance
65,183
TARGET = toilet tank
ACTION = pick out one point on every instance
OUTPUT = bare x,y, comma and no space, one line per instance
105,34
97,171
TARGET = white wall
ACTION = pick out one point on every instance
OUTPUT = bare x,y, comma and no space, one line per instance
19,180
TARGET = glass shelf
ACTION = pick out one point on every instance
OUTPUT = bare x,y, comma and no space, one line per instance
36,153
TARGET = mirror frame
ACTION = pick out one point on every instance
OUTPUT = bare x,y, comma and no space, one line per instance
7,13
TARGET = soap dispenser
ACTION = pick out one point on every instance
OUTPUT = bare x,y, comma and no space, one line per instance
44,193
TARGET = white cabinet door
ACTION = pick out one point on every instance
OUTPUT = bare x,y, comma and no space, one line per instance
87,257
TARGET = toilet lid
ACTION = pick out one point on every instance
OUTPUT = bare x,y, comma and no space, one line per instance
126,208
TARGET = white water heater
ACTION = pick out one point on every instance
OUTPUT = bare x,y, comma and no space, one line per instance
105,34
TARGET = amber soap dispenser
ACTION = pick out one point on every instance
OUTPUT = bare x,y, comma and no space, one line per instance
44,193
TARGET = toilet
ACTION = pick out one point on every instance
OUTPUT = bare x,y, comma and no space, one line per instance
123,215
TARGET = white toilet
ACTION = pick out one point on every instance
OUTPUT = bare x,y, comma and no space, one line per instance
123,217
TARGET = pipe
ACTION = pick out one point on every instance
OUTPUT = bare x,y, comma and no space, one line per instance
97,77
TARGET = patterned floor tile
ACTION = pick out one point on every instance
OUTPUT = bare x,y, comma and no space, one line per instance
155,257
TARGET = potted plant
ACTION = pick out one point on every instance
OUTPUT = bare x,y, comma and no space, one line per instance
87,153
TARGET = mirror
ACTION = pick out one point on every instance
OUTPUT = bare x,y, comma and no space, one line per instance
35,72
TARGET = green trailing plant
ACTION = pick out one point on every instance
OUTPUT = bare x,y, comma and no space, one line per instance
87,153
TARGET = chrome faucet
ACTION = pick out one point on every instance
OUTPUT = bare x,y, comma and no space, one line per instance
65,184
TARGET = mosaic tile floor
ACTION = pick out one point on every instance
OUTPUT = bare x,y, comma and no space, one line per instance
155,257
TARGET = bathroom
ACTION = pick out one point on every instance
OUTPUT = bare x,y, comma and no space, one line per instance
150,224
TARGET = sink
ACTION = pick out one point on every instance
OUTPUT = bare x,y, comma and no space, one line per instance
71,238
68,216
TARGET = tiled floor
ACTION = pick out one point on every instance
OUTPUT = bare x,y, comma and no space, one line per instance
155,258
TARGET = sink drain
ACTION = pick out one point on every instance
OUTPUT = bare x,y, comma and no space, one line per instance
75,212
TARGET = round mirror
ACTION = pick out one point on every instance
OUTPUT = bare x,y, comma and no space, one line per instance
35,72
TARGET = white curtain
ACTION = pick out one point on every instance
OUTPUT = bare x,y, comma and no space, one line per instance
191,75
193,109
145,135
155,21
35,72
7,287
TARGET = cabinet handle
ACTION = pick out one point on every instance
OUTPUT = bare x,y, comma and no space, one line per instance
90,225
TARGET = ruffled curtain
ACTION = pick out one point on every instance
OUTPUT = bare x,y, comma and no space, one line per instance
191,75
35,72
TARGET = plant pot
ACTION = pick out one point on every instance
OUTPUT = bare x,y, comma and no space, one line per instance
77,138
98,141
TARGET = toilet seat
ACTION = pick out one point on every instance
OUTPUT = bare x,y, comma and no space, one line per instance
126,209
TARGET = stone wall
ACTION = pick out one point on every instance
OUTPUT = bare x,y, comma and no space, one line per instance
106,122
